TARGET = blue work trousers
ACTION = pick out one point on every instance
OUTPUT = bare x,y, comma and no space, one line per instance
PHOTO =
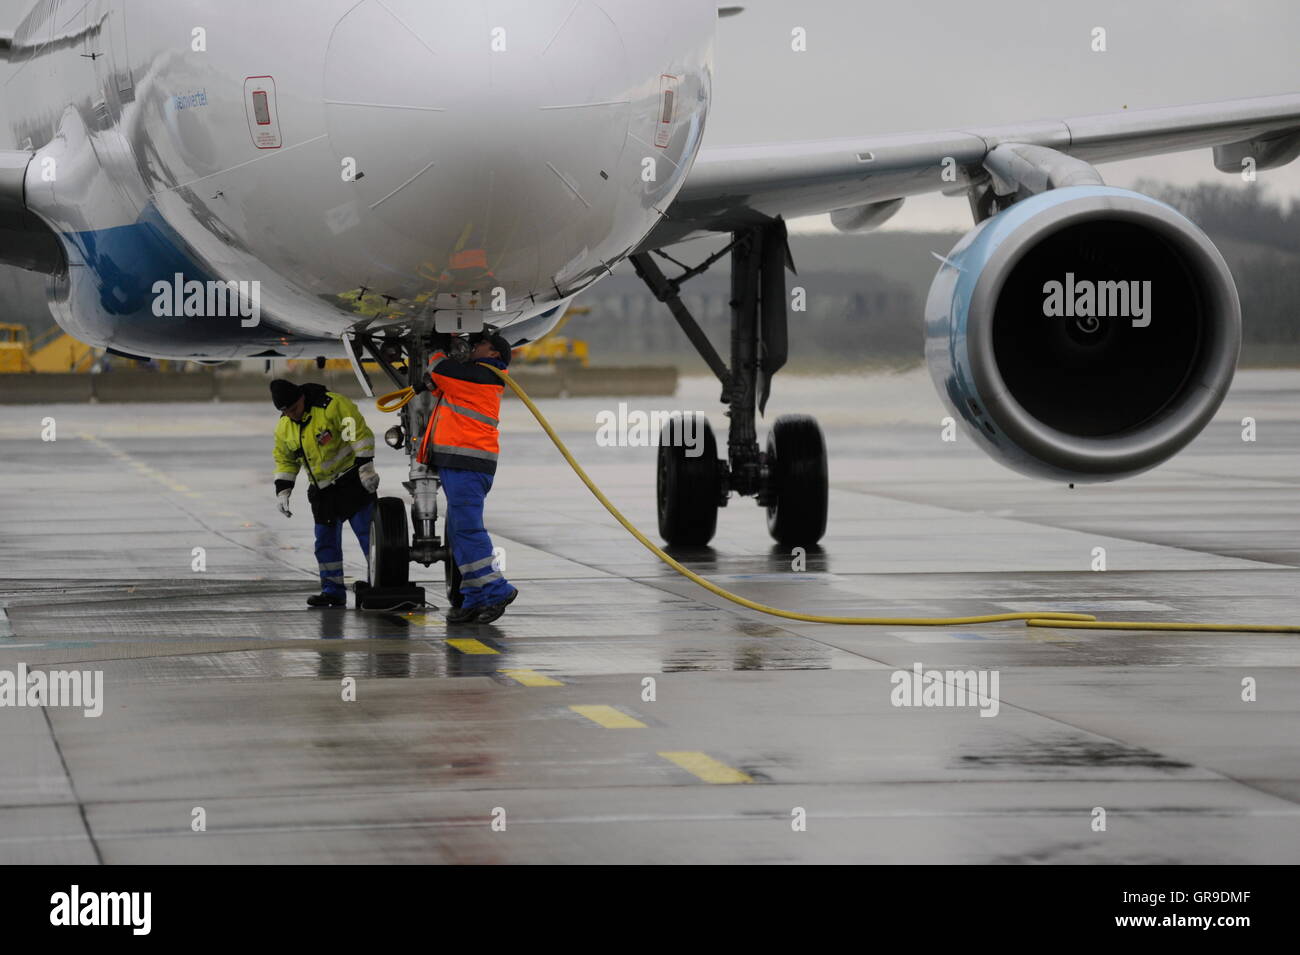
471,547
329,548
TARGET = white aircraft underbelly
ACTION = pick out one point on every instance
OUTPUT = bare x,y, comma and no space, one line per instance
492,158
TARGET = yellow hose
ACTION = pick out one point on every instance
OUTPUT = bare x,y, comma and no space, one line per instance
395,401
736,598
1067,621
1157,625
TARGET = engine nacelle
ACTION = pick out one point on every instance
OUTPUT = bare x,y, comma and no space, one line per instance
1084,334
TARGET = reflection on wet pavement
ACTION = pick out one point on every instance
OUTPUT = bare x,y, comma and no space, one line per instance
619,713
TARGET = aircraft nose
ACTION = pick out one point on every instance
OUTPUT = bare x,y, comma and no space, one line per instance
479,131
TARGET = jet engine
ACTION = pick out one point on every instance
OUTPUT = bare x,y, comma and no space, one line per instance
1086,333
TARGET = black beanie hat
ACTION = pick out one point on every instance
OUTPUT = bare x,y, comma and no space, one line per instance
284,394
501,347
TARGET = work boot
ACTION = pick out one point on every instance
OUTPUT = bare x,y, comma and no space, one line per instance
328,600
462,614
493,611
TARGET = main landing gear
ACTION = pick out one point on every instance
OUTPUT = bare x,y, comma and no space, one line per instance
789,478
402,351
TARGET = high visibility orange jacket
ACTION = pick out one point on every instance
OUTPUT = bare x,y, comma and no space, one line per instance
462,431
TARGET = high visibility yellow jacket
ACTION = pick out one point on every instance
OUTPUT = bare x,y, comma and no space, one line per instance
330,441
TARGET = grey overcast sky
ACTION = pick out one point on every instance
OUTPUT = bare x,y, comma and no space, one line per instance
875,67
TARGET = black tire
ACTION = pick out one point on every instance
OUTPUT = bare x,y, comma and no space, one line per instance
390,544
796,458
689,488
451,574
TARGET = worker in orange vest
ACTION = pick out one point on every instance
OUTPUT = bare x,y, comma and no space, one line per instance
462,443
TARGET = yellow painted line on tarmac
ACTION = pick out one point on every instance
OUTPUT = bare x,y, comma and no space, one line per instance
608,717
531,678
145,469
426,619
707,768
1047,636
470,645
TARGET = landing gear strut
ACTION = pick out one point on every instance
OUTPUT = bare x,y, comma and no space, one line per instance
402,352
789,479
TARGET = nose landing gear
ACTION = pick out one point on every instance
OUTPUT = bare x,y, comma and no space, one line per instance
389,586
390,557
790,479
402,351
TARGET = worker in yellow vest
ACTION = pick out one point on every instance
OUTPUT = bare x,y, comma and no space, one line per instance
323,432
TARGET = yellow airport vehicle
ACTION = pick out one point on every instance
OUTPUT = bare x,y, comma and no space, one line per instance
552,347
54,351
13,349
310,364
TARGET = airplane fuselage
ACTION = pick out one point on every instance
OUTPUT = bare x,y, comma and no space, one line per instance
487,160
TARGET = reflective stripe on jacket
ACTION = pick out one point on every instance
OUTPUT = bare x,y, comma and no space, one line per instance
328,440
462,431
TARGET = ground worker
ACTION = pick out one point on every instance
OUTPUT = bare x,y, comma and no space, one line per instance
325,432
461,442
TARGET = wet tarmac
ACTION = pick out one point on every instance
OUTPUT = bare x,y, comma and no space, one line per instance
765,740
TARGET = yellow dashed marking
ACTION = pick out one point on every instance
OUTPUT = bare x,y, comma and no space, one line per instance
470,645
140,466
426,619
608,717
531,678
707,768
1047,636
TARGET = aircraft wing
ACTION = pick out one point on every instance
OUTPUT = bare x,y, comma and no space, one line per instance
861,180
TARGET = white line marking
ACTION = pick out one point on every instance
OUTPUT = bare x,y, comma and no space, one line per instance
662,152
1011,812
608,102
572,187
266,155
1083,606
563,23
402,186
419,39
344,102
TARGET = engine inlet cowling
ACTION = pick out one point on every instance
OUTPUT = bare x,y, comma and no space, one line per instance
1085,334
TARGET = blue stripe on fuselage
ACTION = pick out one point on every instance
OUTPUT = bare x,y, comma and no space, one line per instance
127,261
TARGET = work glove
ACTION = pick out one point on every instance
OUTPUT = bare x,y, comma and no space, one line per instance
369,477
282,499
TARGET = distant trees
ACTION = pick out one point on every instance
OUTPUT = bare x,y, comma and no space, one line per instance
1250,215
1260,238
849,318
865,294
